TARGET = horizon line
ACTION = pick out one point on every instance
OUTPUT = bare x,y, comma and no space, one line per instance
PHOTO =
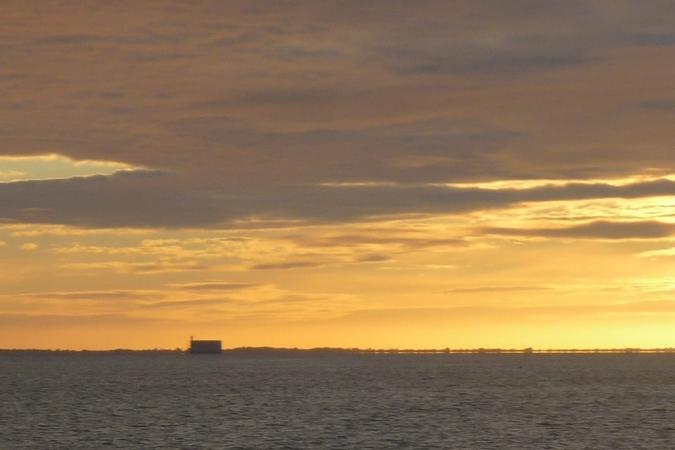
357,350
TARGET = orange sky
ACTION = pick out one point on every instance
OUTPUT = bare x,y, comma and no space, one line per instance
415,174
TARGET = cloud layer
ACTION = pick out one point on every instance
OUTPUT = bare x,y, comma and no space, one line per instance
153,199
254,107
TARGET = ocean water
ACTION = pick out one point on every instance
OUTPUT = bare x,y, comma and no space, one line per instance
173,400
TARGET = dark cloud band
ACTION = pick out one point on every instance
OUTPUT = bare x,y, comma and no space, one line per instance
150,199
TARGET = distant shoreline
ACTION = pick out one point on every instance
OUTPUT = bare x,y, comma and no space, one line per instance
369,351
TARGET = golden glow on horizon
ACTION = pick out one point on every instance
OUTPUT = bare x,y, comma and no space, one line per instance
436,280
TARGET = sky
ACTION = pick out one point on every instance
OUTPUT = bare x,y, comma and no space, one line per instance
411,174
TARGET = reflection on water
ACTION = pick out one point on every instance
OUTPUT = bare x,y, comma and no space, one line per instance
172,400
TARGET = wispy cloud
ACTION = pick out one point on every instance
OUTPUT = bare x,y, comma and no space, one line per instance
140,268
286,265
663,252
217,285
595,230
488,289
114,201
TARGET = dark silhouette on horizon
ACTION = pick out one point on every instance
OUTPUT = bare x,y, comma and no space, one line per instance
205,346
215,347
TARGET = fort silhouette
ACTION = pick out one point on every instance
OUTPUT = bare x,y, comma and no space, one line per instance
205,346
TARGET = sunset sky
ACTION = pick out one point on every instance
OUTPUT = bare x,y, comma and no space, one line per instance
336,173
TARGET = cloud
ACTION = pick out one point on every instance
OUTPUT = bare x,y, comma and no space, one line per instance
172,301
484,289
37,321
108,201
29,246
423,150
187,304
104,296
34,230
653,39
416,95
374,258
594,230
660,253
214,286
379,238
54,166
658,105
149,199
306,261
286,265
153,267
485,314
412,85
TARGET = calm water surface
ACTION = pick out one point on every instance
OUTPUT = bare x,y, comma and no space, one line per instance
164,400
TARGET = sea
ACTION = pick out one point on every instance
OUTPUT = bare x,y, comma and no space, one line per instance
173,400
